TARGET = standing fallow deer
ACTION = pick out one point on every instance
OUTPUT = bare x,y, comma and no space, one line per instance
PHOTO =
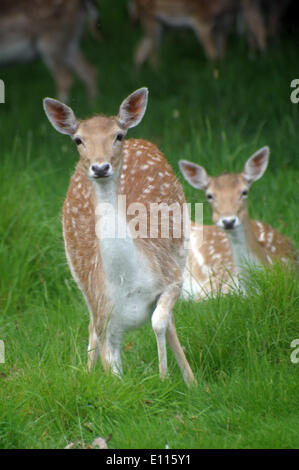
50,30
123,278
203,16
219,256
210,21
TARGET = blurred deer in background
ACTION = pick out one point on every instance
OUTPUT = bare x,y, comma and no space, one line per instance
210,20
254,24
52,31
203,16
273,11
123,278
218,263
262,21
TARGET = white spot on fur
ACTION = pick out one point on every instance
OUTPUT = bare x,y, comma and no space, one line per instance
148,189
269,238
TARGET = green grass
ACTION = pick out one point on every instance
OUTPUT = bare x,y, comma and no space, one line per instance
239,348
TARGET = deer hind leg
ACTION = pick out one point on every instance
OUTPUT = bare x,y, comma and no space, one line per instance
53,57
163,325
256,26
221,42
86,72
148,47
204,33
178,352
222,28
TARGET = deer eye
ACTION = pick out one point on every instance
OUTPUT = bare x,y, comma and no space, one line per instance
78,141
244,193
209,196
119,137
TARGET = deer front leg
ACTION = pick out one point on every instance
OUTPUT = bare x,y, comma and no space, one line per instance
110,353
93,347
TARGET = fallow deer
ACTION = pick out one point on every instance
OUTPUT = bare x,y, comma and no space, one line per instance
52,31
203,16
235,241
210,21
124,279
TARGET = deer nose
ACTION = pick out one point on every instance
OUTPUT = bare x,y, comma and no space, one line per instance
101,170
228,223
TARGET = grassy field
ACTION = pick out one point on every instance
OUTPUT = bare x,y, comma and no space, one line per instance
239,348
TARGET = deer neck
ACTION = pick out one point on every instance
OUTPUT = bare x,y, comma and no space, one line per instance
117,248
244,245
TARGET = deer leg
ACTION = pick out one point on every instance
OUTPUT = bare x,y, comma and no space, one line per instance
163,325
275,17
221,32
110,354
54,60
148,47
64,81
255,24
204,33
221,41
93,347
86,72
178,352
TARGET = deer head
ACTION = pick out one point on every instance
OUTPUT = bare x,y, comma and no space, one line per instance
228,192
98,139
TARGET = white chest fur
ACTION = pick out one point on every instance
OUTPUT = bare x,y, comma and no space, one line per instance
242,253
130,282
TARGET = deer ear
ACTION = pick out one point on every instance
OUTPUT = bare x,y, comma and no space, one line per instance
60,116
196,175
132,109
256,165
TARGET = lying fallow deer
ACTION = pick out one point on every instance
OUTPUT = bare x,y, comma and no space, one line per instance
235,241
123,279
52,31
